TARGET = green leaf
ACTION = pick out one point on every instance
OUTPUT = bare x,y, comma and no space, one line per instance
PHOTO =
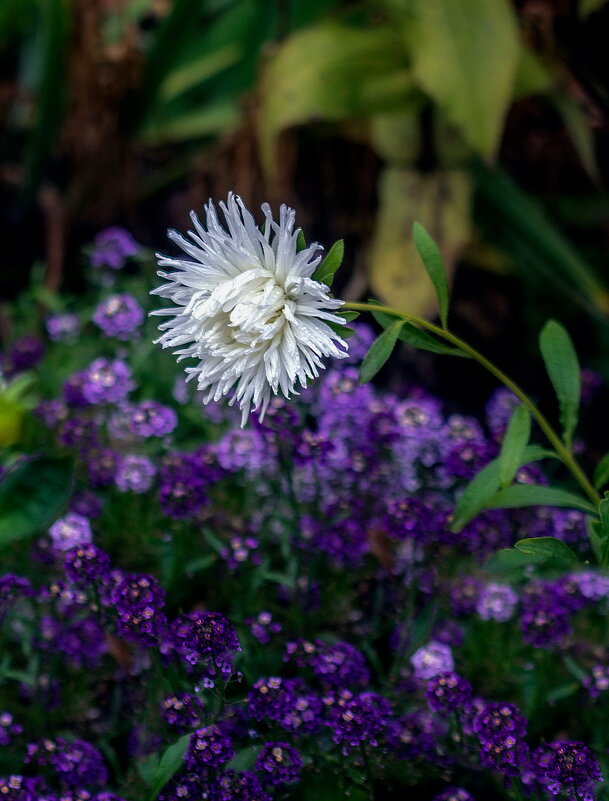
32,495
513,445
563,368
216,118
342,330
183,78
301,242
485,484
601,472
348,315
379,352
334,258
508,560
454,47
434,264
441,201
587,7
519,495
547,548
354,72
170,762
244,759
417,337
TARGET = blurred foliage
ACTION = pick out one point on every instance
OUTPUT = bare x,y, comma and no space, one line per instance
110,103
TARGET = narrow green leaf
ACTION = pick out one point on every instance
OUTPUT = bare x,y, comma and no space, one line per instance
563,368
301,242
169,764
548,548
485,484
519,495
601,472
575,670
508,560
513,445
603,513
342,330
244,759
434,264
327,269
348,315
418,338
379,352
32,495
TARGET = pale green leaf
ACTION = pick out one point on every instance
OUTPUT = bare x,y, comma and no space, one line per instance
330,264
563,368
519,495
513,445
464,55
434,264
548,548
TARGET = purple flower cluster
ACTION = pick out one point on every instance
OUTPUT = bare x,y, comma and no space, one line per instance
205,640
208,748
119,316
112,247
139,601
76,764
182,712
357,719
279,764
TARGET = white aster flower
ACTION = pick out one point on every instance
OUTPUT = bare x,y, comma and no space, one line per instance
248,308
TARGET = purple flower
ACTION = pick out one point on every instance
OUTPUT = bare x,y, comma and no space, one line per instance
139,601
102,464
279,763
334,664
86,503
357,719
208,748
183,485
152,419
231,786
118,316
448,693
17,788
62,327
106,381
25,353
112,247
135,474
206,639
499,410
71,530
546,609
431,660
454,794
287,702
598,681
263,627
183,711
76,763
567,769
496,602
86,564
8,730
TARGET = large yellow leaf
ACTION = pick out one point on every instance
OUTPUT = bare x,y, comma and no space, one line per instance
464,55
331,72
440,201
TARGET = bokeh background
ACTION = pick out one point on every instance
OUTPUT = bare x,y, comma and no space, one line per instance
486,120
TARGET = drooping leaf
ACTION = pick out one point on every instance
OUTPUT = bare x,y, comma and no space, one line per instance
513,445
32,495
379,352
454,45
355,71
434,264
216,118
579,131
563,368
548,548
330,264
519,495
348,316
301,242
485,484
185,77
170,762
440,201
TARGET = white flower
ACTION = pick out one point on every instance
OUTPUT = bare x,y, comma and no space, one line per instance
248,309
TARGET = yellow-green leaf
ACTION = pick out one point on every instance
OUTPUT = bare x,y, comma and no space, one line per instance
441,203
464,55
331,72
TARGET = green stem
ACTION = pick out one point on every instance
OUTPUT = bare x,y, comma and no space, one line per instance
561,449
